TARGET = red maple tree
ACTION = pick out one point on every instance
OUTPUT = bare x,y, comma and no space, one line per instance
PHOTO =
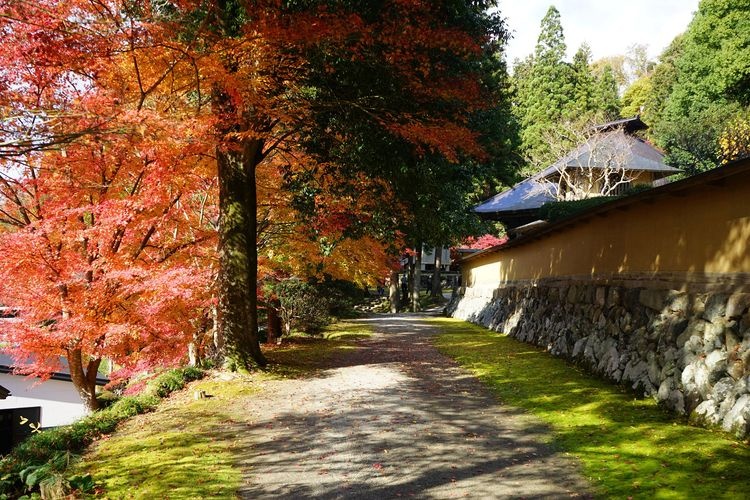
150,101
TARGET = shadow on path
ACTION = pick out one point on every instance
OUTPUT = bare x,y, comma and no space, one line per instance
395,418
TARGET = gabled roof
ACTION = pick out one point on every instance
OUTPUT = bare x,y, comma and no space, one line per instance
612,140
529,194
632,153
7,366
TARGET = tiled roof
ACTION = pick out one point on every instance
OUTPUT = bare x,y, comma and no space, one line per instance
632,153
525,195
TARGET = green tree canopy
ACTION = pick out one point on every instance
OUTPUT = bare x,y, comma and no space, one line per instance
702,83
548,88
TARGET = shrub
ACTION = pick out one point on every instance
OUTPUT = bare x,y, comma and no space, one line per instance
173,380
302,306
557,210
341,296
37,465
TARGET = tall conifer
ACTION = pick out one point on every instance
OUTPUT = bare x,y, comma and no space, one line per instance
549,89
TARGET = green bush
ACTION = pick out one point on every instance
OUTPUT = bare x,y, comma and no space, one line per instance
106,398
129,406
340,296
302,306
38,464
557,210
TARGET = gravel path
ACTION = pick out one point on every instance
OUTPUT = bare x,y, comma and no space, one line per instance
394,418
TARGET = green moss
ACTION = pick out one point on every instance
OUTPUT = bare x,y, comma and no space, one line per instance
302,356
182,450
628,447
41,451
347,330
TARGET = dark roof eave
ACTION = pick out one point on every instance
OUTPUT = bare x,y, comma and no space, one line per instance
630,125
65,377
509,213
728,170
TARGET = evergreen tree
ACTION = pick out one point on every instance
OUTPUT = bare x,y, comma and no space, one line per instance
663,80
548,90
702,83
606,99
635,98
583,103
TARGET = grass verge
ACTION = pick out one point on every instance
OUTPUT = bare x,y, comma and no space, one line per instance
188,448
303,355
182,450
628,447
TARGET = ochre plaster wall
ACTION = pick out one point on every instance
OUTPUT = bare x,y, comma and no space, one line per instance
700,230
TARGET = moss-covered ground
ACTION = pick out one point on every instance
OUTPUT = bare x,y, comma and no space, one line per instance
182,450
186,448
628,447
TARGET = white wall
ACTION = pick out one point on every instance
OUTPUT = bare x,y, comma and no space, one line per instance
59,400
428,256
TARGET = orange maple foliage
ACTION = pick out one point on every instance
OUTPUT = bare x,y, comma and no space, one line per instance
294,244
108,251
111,237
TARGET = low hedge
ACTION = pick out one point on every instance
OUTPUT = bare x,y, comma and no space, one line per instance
36,467
557,210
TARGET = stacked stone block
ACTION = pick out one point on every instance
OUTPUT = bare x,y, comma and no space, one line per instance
689,350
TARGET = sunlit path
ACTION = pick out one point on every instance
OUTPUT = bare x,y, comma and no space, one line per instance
395,418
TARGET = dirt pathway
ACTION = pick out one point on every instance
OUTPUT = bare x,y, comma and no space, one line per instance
394,419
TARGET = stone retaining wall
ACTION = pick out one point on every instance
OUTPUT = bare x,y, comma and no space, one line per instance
689,350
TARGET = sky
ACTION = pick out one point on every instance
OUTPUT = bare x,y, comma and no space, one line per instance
609,26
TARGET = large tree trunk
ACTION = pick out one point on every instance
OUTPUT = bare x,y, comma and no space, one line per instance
437,290
84,379
238,255
253,155
194,357
416,279
274,321
218,340
407,293
393,292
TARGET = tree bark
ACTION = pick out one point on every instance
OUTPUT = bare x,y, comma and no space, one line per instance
406,295
218,339
393,292
252,156
416,279
437,290
194,358
84,379
238,254
274,321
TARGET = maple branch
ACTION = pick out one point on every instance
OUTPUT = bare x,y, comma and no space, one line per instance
152,228
170,252
13,221
20,147
137,183
16,200
277,142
